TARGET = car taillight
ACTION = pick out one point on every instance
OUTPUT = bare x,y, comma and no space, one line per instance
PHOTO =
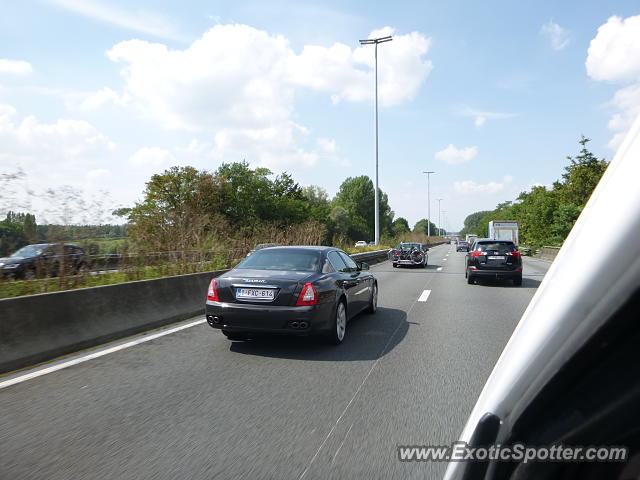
212,293
308,295
478,254
514,254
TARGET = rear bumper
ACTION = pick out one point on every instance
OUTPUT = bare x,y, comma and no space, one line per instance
407,262
269,318
496,273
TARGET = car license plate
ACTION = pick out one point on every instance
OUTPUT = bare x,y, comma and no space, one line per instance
496,257
255,293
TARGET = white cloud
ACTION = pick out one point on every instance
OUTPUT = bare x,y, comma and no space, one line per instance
152,157
614,56
238,84
480,117
338,69
469,187
60,155
614,53
142,21
557,36
15,67
453,155
97,173
627,102
328,145
65,137
96,100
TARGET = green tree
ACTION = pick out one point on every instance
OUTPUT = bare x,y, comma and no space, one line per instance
471,223
12,235
421,227
581,176
178,210
250,196
356,197
400,225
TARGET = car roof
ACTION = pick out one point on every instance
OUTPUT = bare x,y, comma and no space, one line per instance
317,248
496,240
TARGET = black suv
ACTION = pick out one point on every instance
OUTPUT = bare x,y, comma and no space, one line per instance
44,259
499,259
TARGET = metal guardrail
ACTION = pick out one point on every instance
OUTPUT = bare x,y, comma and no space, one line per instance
369,256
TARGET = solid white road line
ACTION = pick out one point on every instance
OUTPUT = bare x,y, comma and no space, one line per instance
90,356
425,294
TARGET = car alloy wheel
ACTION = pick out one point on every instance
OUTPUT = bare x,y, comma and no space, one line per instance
373,304
340,324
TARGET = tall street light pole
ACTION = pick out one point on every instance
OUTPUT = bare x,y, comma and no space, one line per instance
428,203
444,219
439,220
376,41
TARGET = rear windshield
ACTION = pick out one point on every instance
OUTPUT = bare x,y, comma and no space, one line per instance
408,246
500,247
279,259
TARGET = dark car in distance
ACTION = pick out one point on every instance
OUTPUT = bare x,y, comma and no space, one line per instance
462,246
409,253
497,259
44,259
291,290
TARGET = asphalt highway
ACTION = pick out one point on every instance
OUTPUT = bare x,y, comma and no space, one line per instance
193,405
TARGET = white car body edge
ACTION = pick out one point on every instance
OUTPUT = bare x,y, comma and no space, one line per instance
573,301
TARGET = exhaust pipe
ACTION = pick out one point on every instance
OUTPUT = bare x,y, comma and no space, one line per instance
211,320
304,324
295,325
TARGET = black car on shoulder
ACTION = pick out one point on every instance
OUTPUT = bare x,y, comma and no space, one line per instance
409,253
497,259
291,290
44,259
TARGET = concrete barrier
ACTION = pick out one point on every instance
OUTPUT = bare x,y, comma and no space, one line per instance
41,327
37,328
549,253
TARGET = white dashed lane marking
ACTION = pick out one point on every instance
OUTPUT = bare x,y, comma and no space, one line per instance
425,294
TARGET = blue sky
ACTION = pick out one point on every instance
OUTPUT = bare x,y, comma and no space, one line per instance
491,95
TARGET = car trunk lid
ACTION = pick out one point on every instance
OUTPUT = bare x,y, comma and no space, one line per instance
272,287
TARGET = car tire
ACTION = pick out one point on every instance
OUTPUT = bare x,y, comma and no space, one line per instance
373,303
470,279
338,325
235,335
395,265
517,281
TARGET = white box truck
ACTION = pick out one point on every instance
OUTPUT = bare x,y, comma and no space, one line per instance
470,238
504,230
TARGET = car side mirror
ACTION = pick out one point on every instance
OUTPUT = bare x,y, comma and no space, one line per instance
363,266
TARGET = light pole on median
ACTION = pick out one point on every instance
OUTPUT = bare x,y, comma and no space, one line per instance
376,41
439,218
428,203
